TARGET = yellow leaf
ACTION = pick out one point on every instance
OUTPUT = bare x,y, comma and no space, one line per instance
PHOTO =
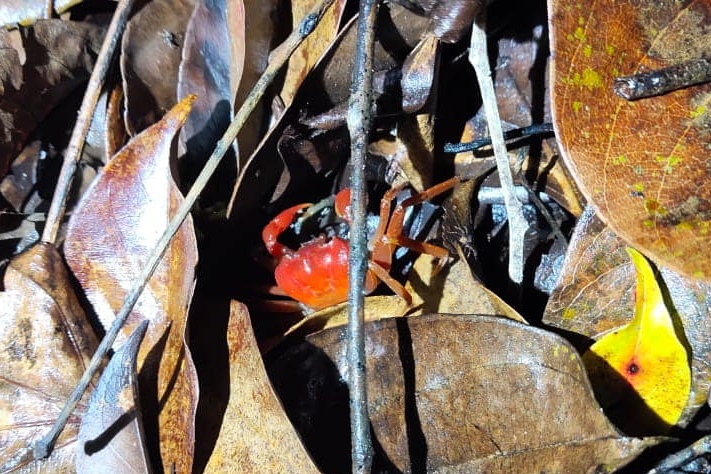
642,367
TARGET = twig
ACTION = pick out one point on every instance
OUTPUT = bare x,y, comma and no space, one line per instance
48,9
523,132
479,58
674,461
359,119
44,447
81,127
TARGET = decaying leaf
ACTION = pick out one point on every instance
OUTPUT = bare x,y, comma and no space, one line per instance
150,56
59,55
642,163
311,50
46,344
211,68
453,394
595,295
109,237
256,435
643,360
111,431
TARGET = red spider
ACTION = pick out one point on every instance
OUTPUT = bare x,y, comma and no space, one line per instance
316,274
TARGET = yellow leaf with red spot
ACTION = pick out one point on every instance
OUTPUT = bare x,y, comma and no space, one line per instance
642,369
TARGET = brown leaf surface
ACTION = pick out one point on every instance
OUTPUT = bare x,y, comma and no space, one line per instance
643,164
150,56
46,344
595,294
24,12
310,51
111,431
453,394
211,67
256,435
110,234
259,32
59,55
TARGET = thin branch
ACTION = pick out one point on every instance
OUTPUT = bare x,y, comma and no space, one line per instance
479,58
674,461
48,9
359,119
81,128
44,447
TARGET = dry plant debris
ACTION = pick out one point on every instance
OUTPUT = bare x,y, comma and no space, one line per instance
215,369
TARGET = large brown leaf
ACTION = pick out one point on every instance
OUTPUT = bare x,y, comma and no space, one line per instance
211,67
150,56
46,344
59,55
111,431
595,294
453,394
256,435
110,234
643,164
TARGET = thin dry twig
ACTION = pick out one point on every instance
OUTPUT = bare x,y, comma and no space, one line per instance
81,128
673,462
479,58
359,119
44,446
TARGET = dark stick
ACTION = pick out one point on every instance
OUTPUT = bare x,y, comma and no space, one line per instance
358,120
523,132
44,447
661,81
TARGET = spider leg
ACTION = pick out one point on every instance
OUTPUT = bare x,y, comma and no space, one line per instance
393,284
394,228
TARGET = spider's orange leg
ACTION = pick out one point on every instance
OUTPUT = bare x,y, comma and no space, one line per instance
393,284
394,229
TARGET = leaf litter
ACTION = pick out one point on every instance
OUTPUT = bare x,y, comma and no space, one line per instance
419,107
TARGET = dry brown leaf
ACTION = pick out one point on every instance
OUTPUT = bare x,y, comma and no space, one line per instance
211,67
453,289
111,431
110,234
150,56
259,32
453,394
256,435
59,55
310,51
46,345
595,294
642,164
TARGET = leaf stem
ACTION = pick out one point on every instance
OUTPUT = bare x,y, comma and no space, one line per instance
44,446
81,127
359,118
479,58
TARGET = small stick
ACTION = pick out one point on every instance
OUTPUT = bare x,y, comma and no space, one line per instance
676,460
44,447
358,120
523,132
48,9
661,81
81,127
479,58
